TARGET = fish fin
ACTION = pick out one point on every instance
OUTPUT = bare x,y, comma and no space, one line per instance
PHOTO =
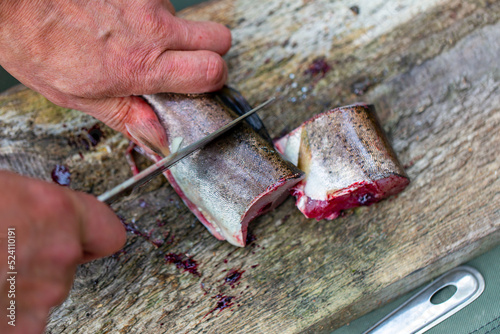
176,143
150,134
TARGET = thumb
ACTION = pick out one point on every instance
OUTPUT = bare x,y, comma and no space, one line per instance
118,112
132,116
102,233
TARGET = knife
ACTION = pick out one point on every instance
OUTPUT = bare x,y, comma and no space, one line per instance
159,167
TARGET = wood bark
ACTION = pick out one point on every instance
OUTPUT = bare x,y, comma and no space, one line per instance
431,70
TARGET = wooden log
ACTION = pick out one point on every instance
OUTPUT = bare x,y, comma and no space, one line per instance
430,68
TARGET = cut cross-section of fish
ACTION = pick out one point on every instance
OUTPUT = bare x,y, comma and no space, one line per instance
347,159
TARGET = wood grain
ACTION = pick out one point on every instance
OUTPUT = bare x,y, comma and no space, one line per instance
430,68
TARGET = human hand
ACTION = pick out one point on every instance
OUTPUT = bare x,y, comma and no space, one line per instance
55,230
95,55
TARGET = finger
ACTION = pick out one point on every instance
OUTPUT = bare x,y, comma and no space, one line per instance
133,117
184,72
102,232
173,71
185,35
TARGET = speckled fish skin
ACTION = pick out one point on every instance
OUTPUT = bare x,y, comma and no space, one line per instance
347,159
232,180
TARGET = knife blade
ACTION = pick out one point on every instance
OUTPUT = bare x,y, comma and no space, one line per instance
159,167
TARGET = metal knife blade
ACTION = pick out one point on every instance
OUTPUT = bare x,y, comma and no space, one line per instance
159,167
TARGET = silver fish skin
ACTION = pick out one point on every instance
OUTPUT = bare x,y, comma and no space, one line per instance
348,161
231,181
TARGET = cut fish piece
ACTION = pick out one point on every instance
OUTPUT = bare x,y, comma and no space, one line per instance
347,159
233,179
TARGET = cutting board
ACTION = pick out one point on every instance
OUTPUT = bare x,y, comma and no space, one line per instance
430,68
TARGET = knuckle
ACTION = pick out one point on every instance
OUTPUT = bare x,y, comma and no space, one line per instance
137,66
58,202
136,63
215,71
53,204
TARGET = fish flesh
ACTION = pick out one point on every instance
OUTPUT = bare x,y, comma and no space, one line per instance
347,159
232,180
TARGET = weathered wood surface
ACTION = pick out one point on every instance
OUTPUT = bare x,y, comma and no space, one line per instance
431,69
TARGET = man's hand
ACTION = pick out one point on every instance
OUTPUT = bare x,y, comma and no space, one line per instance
55,230
94,55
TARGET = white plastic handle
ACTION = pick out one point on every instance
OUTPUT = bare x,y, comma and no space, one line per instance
418,314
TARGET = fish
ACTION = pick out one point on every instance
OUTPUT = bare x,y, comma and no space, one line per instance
233,179
348,161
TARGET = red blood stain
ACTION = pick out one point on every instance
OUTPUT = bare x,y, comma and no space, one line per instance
133,229
318,66
130,227
233,276
157,242
94,135
61,175
250,238
223,303
187,264
87,138
160,223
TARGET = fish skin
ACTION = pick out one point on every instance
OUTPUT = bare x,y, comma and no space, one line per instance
233,99
348,161
232,180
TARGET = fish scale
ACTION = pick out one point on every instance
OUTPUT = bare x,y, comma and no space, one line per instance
232,180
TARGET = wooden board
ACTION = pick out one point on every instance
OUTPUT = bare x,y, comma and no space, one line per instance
431,69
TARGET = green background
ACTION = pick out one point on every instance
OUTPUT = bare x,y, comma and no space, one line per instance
480,317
